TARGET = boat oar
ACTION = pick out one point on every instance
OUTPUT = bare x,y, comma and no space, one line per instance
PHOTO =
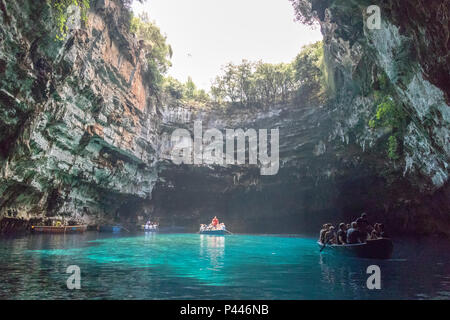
126,229
228,231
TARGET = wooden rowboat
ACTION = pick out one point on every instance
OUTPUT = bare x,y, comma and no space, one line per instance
151,228
372,249
214,232
59,229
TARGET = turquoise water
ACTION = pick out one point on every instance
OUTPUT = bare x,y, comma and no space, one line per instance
192,266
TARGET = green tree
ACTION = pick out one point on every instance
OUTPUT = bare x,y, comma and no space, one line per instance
244,74
174,88
266,83
310,72
190,89
218,92
285,79
159,52
260,84
229,82
254,84
185,91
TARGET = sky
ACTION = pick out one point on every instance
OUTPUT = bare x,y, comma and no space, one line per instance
207,34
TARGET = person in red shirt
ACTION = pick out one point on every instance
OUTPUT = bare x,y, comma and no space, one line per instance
215,222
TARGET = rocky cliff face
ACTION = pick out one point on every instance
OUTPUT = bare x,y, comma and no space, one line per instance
83,139
411,49
77,123
326,173
333,164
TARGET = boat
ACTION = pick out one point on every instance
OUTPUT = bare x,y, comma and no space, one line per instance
110,229
59,229
150,228
214,232
371,249
218,230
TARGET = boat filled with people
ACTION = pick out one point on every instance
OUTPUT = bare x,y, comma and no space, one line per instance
371,249
214,228
59,228
150,227
358,239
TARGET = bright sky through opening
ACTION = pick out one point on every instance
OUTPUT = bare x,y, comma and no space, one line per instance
207,34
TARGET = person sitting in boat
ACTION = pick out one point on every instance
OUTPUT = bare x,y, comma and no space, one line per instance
322,233
342,234
363,219
383,233
222,226
150,225
330,236
215,222
354,235
365,224
363,228
375,234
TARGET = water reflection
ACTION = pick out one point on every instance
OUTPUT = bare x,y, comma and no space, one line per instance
343,276
186,266
212,248
149,236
